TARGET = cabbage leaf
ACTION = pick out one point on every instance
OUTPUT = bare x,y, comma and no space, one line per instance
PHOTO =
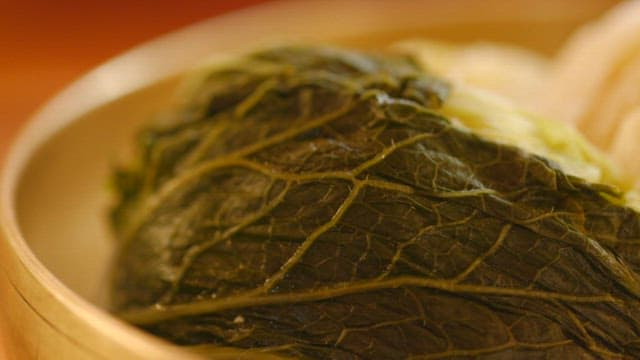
318,203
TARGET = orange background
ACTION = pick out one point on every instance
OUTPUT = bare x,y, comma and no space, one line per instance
45,45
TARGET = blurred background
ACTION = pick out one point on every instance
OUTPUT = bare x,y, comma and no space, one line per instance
45,45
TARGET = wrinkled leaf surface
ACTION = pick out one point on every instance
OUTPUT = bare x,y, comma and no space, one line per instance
313,203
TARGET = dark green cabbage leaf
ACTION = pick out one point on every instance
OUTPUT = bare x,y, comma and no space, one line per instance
313,203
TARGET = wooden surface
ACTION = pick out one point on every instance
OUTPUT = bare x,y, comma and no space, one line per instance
45,45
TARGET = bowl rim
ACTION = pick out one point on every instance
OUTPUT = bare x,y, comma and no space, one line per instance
146,64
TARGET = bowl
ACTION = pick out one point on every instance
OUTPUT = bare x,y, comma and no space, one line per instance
55,245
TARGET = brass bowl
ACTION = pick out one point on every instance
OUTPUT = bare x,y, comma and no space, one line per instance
55,244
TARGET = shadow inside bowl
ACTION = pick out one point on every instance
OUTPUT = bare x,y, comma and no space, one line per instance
64,198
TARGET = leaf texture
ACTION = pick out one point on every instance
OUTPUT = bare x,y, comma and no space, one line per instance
313,203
